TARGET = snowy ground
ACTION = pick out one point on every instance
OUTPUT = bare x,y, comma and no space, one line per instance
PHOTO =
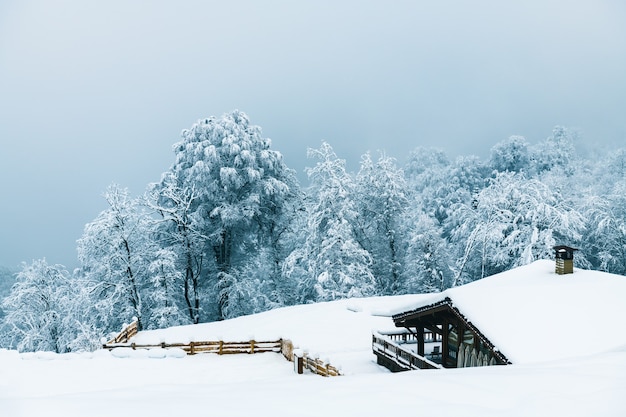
148,384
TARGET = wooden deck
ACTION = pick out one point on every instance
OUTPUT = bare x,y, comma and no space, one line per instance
394,356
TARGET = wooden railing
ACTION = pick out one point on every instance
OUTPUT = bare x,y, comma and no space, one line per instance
302,360
401,336
283,346
220,347
397,358
126,333
319,367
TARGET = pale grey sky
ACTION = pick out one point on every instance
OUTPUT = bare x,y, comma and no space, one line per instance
96,92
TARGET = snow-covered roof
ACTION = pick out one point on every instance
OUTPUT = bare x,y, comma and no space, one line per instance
532,314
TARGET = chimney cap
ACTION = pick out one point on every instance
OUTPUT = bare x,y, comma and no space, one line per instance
564,248
562,252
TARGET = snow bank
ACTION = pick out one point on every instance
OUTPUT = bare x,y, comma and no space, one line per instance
107,383
324,329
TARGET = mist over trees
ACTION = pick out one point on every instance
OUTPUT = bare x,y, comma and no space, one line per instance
227,231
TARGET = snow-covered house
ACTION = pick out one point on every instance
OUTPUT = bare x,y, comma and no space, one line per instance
528,314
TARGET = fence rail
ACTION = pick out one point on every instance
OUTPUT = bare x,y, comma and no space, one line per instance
126,333
401,336
219,347
397,358
282,346
303,361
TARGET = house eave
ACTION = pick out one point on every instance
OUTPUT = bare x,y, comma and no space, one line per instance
424,316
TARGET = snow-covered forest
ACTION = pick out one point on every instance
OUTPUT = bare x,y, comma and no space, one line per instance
228,231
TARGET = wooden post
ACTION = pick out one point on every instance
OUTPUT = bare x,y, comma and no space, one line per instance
298,361
191,350
444,342
252,346
221,347
420,340
300,365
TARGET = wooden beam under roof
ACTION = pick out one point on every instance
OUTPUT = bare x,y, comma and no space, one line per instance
437,317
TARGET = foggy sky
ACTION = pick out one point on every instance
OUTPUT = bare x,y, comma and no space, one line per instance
94,93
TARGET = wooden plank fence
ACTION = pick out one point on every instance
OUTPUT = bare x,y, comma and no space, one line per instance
126,333
282,346
220,347
317,366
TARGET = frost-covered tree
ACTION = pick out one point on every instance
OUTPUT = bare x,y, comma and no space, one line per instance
427,257
331,264
426,171
179,228
512,155
604,202
115,252
251,289
617,164
426,167
243,188
557,152
513,222
82,330
601,175
7,279
438,185
604,242
381,195
165,294
36,308
464,180
468,176
439,189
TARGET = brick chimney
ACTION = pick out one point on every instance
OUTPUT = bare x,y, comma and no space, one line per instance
564,256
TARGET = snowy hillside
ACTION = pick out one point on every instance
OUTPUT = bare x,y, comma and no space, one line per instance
152,384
